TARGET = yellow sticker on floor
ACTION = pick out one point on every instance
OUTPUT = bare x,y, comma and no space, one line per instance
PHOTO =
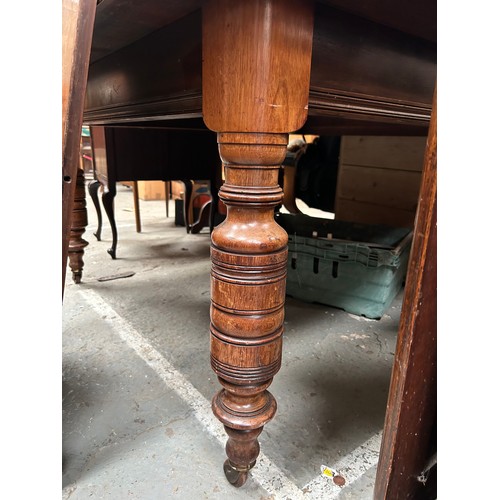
328,472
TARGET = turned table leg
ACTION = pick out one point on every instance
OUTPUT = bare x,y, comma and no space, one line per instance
256,68
249,259
78,224
77,25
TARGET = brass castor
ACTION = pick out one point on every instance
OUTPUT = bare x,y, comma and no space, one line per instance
237,476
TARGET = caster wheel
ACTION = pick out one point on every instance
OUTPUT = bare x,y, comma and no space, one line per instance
235,477
112,253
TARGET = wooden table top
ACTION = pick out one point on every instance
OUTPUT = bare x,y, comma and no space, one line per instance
373,67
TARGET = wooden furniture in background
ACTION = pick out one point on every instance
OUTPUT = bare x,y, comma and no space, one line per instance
198,206
372,72
131,154
77,26
379,179
137,208
141,190
289,174
149,190
153,190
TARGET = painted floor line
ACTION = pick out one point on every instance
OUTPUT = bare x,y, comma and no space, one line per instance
266,473
351,468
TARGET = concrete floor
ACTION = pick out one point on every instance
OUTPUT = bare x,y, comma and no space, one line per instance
137,382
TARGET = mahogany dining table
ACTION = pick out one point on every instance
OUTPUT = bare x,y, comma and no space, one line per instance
251,72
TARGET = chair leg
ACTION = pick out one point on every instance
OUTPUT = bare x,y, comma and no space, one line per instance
187,208
135,191
204,219
167,196
289,198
